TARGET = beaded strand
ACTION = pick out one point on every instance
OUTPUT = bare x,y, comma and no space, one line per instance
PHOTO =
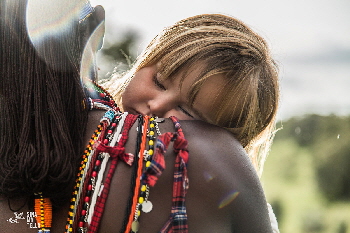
128,210
87,153
111,120
98,92
143,203
148,158
133,225
113,138
43,210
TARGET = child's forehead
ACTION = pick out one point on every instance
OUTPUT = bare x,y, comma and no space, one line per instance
193,71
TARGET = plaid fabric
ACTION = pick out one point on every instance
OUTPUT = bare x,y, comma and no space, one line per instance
116,153
178,217
157,166
177,221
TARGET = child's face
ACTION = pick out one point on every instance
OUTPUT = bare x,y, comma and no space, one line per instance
148,94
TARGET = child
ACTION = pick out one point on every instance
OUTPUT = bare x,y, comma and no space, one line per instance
211,68
207,67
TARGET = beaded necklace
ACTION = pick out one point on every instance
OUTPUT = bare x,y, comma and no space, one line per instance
99,98
85,198
107,144
116,153
143,204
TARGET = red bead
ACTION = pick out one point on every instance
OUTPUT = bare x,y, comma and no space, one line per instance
105,141
90,187
87,199
98,162
110,131
102,95
94,174
83,212
114,124
81,224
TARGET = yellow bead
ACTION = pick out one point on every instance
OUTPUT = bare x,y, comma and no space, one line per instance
151,133
141,200
151,125
151,142
143,188
150,152
152,119
138,213
148,163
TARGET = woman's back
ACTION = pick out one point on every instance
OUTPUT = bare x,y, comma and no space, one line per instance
224,193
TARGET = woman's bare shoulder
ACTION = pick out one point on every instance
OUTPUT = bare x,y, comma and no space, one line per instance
221,173
217,146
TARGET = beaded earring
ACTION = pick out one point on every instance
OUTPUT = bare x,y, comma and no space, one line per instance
43,210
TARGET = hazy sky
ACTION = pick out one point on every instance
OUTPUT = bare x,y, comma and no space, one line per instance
309,38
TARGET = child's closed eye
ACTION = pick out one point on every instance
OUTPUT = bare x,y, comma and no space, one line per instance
157,83
186,112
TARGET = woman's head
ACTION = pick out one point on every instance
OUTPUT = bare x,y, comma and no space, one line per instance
42,117
218,46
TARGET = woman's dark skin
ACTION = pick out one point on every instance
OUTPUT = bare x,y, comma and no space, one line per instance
214,152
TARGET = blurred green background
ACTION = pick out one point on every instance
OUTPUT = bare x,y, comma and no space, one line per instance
307,175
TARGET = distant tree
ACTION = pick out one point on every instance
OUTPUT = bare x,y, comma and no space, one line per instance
342,227
332,165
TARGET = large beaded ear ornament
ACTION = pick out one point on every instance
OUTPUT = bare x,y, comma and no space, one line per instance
43,211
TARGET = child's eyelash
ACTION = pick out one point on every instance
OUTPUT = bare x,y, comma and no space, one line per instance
184,111
158,84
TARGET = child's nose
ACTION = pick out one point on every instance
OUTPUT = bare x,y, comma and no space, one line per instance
161,105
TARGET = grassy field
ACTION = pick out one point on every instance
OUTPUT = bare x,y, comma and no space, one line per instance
291,188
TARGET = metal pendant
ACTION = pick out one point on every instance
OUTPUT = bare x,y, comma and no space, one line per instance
147,206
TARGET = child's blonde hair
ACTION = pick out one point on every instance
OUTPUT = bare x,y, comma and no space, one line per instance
247,104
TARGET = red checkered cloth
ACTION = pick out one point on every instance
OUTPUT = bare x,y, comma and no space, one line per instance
177,221
116,153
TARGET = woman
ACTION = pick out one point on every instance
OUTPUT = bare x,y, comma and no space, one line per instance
40,152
